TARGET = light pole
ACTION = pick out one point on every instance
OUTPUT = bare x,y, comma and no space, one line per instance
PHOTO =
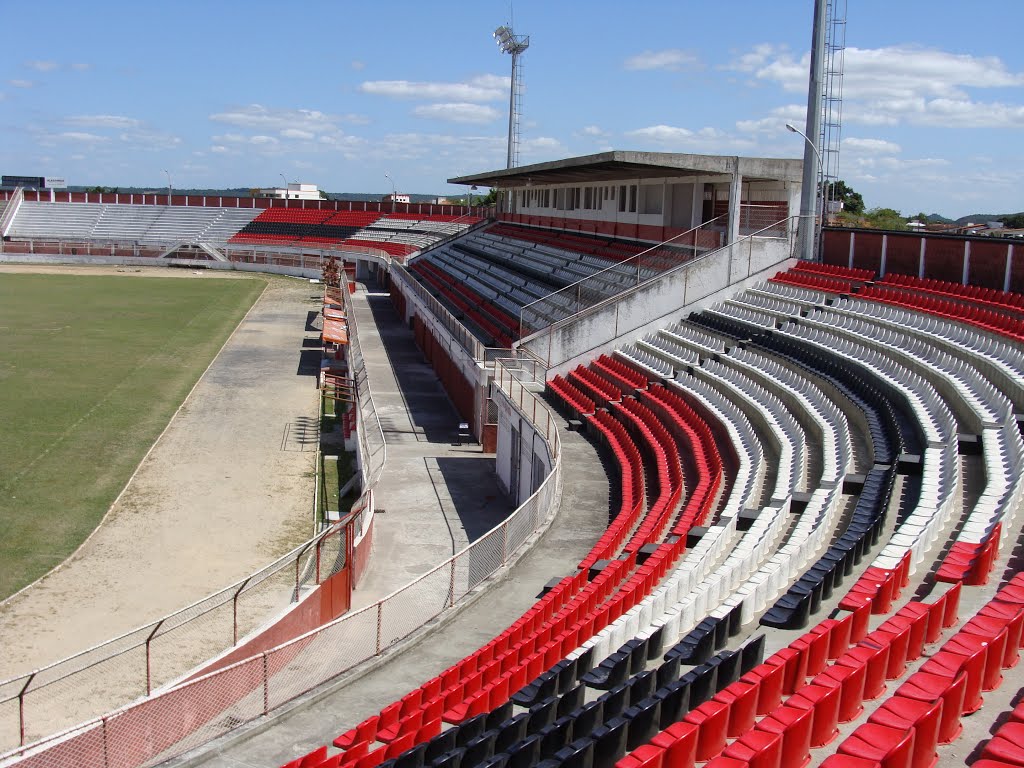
511,43
394,191
818,197
472,189
285,185
168,186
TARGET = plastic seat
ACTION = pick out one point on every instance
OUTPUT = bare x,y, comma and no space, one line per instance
757,749
874,659
1007,746
924,717
795,726
679,741
712,720
929,688
824,702
742,700
891,747
850,681
948,664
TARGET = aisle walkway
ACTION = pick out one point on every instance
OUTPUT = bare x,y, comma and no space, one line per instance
435,495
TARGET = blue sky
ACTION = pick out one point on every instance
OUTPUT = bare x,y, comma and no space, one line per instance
335,93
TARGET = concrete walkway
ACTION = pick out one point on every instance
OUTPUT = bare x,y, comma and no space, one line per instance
412,431
435,496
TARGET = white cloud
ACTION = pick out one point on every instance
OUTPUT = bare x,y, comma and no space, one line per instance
672,59
259,117
593,131
22,83
707,139
901,84
42,66
297,133
103,121
82,136
263,140
477,89
461,112
756,58
358,65
776,120
80,66
871,146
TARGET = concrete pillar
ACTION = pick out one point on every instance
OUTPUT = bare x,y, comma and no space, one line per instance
735,196
920,258
1009,267
967,262
697,206
885,243
853,239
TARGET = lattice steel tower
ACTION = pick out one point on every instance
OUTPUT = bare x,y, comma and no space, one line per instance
832,101
511,43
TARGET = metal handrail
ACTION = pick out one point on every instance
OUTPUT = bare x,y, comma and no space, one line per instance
674,270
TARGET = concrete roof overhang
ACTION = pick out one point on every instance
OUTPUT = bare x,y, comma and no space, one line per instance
623,165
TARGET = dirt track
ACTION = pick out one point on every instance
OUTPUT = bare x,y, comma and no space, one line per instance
226,489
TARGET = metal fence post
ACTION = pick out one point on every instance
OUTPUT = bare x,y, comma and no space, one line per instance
149,641
21,709
451,586
234,611
504,543
266,685
380,606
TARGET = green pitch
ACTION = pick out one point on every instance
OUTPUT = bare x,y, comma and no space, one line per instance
91,370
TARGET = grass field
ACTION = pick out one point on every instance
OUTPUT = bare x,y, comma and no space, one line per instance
91,370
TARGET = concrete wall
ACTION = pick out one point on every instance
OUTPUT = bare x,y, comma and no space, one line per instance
532,448
656,303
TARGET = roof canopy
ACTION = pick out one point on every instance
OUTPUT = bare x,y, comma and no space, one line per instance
621,166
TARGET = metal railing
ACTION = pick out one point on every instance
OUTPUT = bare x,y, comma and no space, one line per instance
181,718
737,257
638,268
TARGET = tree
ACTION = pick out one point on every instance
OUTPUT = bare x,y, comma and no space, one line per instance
324,195
1013,221
853,202
885,218
489,199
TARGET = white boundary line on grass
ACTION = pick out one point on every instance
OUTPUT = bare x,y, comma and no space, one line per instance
10,598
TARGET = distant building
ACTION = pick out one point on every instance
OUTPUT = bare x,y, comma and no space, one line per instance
395,198
292,192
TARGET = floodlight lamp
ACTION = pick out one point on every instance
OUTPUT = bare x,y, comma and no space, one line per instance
790,128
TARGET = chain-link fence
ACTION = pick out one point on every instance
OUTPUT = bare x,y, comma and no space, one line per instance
176,720
138,662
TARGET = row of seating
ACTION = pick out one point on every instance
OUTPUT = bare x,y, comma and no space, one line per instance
794,701
977,544
973,293
834,270
131,223
467,305
397,234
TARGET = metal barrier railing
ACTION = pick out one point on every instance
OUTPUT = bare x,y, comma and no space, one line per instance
176,720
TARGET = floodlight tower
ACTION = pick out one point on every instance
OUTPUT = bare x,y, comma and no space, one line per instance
511,43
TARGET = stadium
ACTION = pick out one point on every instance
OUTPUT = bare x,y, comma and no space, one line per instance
651,467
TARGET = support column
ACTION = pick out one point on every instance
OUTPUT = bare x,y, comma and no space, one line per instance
920,258
735,196
967,262
881,266
1009,267
812,130
697,205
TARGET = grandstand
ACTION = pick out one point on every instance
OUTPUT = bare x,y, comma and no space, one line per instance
813,521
